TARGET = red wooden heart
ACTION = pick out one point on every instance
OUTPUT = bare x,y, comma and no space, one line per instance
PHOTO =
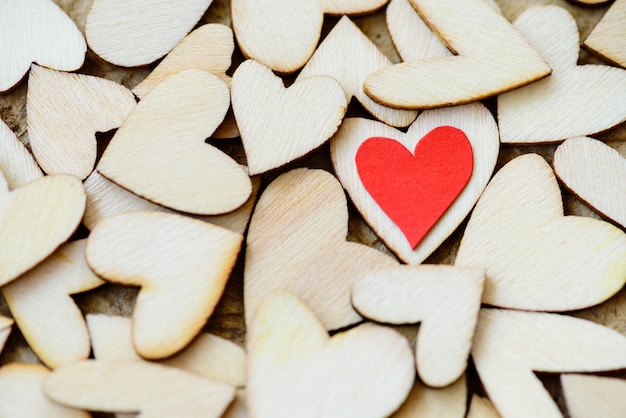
415,191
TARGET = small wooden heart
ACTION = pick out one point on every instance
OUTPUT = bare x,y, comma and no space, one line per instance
608,37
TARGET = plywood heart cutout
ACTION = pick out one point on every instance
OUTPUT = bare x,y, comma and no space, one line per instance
486,63
444,299
407,218
594,396
47,316
365,372
596,174
536,258
297,243
608,38
131,34
278,125
575,100
17,164
37,31
64,113
6,325
35,219
509,346
159,151
349,56
182,264
283,34
138,386
424,401
21,394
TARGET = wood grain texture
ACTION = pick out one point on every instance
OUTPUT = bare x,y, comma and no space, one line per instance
131,34
445,300
64,113
17,164
6,325
485,65
481,130
574,101
37,31
596,174
424,401
159,151
594,396
608,38
481,408
348,56
21,394
509,345
537,259
297,243
137,386
365,372
182,265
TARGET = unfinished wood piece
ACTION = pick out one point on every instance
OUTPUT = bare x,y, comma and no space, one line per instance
41,303
137,386
444,299
488,62
208,355
536,258
365,372
283,34
37,31
596,174
21,394
427,402
594,396
17,164
297,243
510,345
279,124
64,113
105,199
575,100
608,38
6,325
130,34
182,265
481,408
35,219
159,151
474,120
348,56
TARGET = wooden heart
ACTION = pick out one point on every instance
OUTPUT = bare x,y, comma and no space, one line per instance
477,124
575,100
608,38
283,34
6,325
510,345
64,113
41,305
17,164
21,394
278,125
37,31
365,372
35,219
137,386
159,151
487,63
349,56
424,401
182,265
446,301
537,259
131,34
594,396
297,237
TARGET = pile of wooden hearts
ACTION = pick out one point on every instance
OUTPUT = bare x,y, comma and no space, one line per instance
168,211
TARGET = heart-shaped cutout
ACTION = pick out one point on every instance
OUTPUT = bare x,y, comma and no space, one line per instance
607,38
297,243
278,125
64,113
365,372
536,258
18,165
475,123
37,31
179,289
574,101
159,151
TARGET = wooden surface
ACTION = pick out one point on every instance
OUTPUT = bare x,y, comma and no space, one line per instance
228,319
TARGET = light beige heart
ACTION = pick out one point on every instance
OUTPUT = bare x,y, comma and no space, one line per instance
607,38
